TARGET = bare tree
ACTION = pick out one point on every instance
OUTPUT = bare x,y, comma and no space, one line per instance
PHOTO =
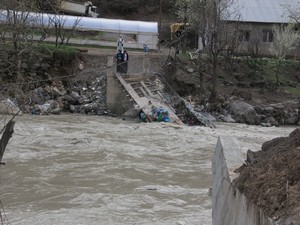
19,22
210,19
60,26
254,48
18,29
62,32
22,26
183,15
293,12
285,38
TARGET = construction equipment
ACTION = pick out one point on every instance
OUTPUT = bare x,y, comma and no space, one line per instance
177,29
82,9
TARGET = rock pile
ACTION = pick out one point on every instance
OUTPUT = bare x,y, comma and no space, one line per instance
81,97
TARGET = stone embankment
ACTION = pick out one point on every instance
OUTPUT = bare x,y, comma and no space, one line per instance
90,98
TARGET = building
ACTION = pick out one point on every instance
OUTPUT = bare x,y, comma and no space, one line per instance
254,22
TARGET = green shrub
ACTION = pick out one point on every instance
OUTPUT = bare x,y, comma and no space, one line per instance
63,54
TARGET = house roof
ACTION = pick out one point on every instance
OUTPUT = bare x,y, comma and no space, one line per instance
263,11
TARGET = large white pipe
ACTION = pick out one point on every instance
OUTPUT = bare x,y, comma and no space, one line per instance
87,23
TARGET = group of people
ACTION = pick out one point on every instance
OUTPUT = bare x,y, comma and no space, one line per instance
122,57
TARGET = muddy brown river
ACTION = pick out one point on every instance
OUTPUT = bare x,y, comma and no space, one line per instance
77,169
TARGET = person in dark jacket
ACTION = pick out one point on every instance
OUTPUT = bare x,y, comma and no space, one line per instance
125,62
119,58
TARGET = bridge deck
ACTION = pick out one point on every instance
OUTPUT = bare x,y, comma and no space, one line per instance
144,97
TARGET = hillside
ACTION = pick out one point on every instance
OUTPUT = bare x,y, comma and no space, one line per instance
135,9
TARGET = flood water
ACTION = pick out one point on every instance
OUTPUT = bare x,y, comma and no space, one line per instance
77,169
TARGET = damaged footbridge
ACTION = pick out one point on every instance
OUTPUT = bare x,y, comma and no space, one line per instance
137,92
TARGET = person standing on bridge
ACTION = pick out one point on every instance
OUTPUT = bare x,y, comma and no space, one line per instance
120,45
125,61
119,58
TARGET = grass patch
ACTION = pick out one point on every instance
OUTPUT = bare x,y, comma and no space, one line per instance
50,48
266,68
64,54
292,90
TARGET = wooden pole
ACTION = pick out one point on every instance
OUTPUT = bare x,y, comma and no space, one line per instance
159,25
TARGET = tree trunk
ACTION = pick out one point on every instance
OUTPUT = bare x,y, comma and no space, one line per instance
213,94
7,134
214,47
201,74
201,83
19,65
184,43
277,72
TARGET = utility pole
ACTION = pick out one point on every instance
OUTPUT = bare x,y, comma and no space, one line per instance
159,25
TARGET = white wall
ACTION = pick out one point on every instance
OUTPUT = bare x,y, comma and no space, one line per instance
230,207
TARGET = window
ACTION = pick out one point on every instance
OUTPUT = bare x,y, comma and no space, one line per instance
267,35
244,35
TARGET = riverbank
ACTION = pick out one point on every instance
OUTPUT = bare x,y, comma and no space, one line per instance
79,86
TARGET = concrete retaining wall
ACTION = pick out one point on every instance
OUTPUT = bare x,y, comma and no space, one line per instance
229,206
116,99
